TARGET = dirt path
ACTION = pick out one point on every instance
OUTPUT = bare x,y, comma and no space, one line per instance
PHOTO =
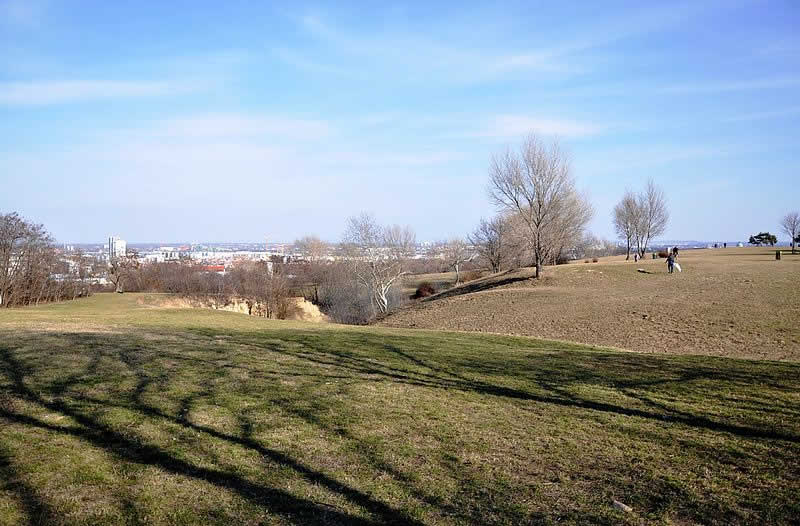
734,302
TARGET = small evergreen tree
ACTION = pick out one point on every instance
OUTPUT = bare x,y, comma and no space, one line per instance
763,238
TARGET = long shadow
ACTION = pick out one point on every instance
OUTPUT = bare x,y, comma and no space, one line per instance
565,399
325,352
480,285
279,501
317,351
316,354
36,510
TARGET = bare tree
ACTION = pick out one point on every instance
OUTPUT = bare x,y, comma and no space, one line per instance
791,225
570,227
121,269
492,242
626,220
377,255
31,269
313,248
535,184
653,216
25,260
456,253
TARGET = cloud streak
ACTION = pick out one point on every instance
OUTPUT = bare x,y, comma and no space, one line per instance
515,126
38,93
732,85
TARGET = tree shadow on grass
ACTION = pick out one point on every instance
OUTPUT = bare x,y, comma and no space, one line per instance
100,435
318,357
491,282
429,374
36,510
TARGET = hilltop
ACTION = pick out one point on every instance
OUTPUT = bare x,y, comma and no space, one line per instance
736,302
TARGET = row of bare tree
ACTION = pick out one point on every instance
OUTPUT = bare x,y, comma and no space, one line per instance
31,271
640,217
266,290
542,220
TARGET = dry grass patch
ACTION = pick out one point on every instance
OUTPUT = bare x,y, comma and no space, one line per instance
731,302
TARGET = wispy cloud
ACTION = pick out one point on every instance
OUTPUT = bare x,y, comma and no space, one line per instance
300,62
222,125
514,126
420,57
364,159
415,57
732,85
55,92
622,160
764,115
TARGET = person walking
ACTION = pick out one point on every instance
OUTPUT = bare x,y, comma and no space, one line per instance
670,263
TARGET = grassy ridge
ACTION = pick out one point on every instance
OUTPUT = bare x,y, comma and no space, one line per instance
111,412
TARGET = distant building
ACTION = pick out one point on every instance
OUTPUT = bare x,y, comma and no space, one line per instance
117,248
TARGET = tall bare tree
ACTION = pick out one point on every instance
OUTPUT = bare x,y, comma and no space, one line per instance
653,216
626,220
535,183
492,242
377,255
791,225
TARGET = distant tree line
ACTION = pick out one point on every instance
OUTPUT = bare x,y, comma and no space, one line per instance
31,271
266,292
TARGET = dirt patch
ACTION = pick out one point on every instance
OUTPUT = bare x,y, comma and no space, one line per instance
304,310
734,302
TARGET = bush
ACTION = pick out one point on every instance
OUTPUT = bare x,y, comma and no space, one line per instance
585,260
424,290
594,260
342,298
663,254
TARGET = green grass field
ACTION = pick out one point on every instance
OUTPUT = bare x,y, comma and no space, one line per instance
116,413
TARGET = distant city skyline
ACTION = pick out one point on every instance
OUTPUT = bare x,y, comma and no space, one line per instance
239,122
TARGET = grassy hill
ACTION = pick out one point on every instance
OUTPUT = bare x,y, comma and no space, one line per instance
736,302
113,412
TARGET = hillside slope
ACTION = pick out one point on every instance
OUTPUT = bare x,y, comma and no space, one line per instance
115,413
734,302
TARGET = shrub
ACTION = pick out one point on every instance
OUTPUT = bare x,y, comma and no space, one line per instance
585,260
342,298
424,290
594,260
663,254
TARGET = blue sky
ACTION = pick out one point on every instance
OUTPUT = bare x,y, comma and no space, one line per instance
214,121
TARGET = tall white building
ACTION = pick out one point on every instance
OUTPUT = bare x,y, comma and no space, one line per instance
116,247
